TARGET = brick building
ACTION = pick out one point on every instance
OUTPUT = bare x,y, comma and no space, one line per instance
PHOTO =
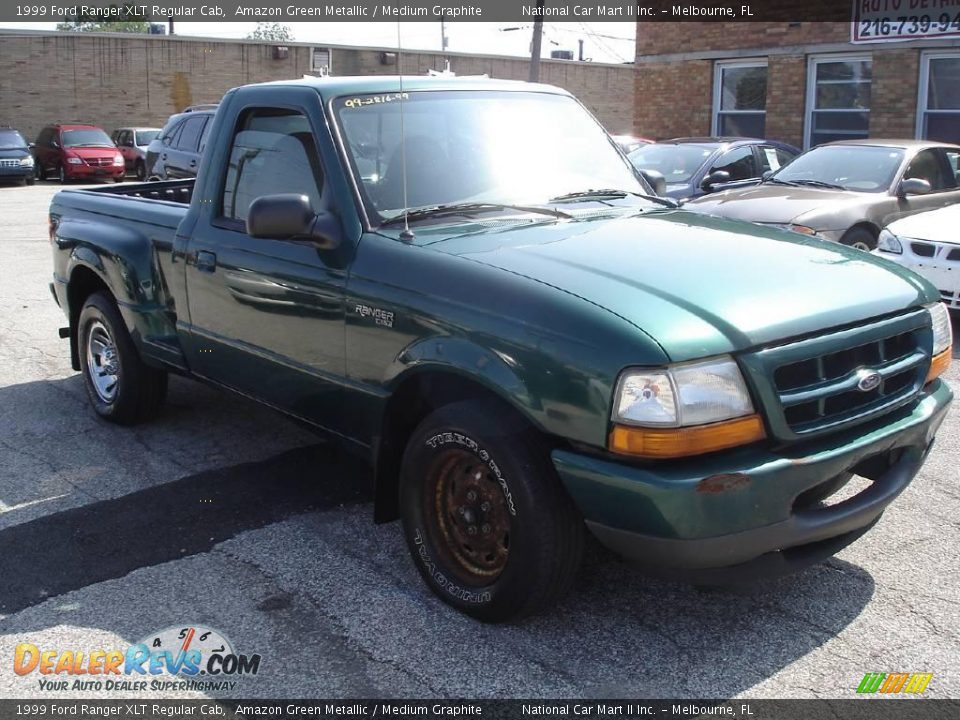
117,79
803,82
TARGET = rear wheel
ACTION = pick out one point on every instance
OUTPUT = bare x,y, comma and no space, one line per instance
489,525
141,171
860,238
121,388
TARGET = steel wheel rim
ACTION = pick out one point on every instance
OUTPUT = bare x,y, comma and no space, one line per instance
103,365
861,246
470,517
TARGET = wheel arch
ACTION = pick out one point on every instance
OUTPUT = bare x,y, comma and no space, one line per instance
416,394
84,281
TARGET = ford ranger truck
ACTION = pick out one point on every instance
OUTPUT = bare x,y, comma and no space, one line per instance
465,281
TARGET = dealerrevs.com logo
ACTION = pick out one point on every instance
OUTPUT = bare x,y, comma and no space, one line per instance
894,683
178,658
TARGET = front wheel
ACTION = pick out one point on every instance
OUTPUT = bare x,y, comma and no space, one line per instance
859,238
38,171
141,171
62,174
490,527
121,388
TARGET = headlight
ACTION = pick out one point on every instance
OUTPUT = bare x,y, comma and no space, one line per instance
26,161
888,242
942,340
118,160
74,161
686,409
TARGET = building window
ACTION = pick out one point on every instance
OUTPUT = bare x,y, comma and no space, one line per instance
740,99
838,99
939,116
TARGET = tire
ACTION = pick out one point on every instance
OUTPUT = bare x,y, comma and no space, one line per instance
471,465
860,238
121,388
141,171
62,175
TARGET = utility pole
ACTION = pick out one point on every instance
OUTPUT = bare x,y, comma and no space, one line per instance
535,44
170,24
443,33
581,49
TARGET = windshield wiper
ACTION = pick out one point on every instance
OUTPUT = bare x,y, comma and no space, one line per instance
778,181
820,184
599,194
468,208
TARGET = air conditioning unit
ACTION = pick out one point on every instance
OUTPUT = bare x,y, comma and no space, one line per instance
320,61
281,52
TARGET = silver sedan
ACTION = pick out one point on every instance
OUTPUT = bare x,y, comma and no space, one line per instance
847,191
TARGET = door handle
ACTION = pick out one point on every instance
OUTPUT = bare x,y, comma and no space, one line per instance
193,163
206,261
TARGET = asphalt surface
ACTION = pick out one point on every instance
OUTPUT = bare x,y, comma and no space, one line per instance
224,515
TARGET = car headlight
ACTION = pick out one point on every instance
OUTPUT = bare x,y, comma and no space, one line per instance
26,161
118,160
74,161
687,409
888,242
942,340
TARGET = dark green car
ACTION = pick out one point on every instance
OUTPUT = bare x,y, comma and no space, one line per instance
522,340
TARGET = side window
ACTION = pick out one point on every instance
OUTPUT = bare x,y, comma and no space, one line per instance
738,162
190,135
773,158
953,166
124,138
273,151
206,131
171,134
927,165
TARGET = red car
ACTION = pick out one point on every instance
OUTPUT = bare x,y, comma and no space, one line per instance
76,152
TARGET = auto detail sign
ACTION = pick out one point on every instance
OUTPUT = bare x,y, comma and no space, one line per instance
897,20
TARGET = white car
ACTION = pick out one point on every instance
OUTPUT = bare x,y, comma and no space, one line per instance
929,244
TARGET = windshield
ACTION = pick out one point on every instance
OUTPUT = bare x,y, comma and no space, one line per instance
677,163
94,137
145,137
12,140
511,148
863,168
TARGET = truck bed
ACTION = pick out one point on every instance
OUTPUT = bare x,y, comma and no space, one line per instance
178,191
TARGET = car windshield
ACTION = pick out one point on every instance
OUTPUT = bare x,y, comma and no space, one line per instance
470,147
94,137
12,140
864,168
677,163
145,137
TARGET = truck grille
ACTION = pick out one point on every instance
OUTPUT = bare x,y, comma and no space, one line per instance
98,162
844,377
9,163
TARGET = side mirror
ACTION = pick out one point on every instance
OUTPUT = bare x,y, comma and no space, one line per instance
290,216
766,175
913,186
717,177
655,180
55,144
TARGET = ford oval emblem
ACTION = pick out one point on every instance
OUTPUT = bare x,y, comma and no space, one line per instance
868,380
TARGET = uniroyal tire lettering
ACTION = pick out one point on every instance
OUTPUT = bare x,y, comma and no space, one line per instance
448,438
441,580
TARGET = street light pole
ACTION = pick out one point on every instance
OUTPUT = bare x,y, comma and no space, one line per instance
535,44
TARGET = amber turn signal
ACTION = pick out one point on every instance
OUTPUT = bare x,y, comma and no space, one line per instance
939,364
662,443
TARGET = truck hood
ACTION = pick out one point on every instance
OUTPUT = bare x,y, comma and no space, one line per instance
770,203
698,285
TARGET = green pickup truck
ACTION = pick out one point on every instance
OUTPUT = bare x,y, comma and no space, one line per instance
465,281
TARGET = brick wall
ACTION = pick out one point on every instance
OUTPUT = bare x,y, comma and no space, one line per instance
111,80
893,93
786,98
660,38
673,99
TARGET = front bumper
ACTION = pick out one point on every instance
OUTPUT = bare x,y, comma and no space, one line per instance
747,511
93,171
15,172
942,271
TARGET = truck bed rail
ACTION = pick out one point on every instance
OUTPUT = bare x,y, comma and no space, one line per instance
178,191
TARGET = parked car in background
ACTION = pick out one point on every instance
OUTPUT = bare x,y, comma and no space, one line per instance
629,143
929,244
16,162
175,153
694,166
76,152
133,142
846,191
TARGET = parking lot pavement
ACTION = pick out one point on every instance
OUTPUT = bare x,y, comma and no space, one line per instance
226,515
